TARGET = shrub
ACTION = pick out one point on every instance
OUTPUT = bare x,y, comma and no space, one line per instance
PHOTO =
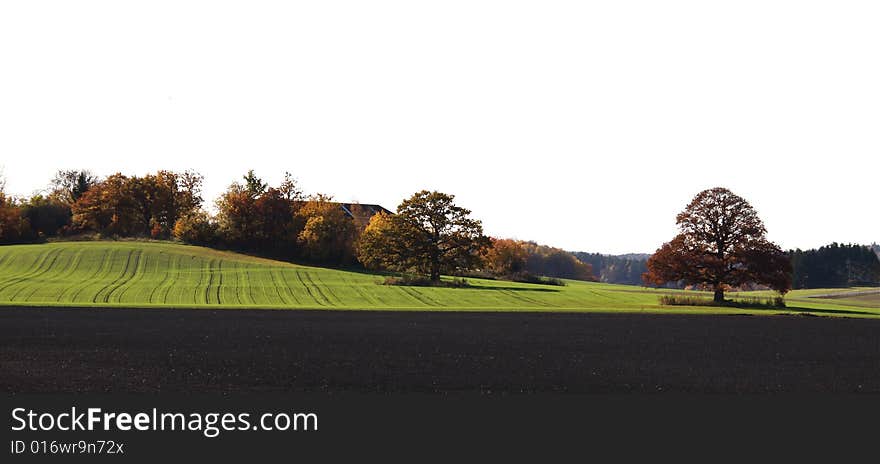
746,302
196,228
529,278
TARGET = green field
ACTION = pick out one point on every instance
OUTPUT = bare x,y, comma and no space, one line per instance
145,274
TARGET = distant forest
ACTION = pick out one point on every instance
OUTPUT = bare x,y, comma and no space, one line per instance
834,265
620,269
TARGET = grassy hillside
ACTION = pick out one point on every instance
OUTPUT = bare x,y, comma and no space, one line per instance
142,274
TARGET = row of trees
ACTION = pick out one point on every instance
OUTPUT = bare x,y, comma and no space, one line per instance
721,244
626,269
427,235
430,235
522,260
251,215
835,265
78,201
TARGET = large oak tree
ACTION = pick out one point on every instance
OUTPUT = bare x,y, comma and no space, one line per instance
721,243
428,235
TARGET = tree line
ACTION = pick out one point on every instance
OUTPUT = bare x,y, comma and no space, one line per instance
835,265
627,269
427,235
721,244
251,215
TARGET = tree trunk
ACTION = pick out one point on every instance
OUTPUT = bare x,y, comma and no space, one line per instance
719,295
435,271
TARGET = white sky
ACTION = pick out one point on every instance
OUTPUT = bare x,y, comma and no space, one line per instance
583,125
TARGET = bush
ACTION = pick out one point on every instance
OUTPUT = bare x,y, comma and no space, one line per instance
195,228
684,300
526,277
747,302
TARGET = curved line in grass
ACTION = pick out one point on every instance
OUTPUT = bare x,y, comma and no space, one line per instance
39,259
357,288
236,287
109,287
523,298
172,274
308,276
287,287
140,265
98,270
15,277
198,284
77,259
165,277
418,296
248,286
275,285
210,273
70,266
99,293
220,282
308,290
42,269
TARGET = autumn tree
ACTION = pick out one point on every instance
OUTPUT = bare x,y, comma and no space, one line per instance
255,216
109,207
275,229
70,185
721,243
254,185
196,228
289,188
506,257
189,192
328,234
47,215
236,214
428,235
14,226
129,205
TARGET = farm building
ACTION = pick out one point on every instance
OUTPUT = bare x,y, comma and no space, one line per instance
362,213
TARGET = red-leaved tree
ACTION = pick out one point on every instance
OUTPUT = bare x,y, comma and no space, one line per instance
721,243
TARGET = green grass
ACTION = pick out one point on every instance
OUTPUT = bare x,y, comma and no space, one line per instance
146,274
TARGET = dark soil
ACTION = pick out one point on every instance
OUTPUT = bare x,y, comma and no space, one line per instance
161,350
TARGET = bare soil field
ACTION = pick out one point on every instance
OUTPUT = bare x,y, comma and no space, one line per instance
246,351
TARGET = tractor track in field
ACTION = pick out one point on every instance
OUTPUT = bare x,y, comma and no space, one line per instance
140,265
308,290
166,276
288,288
308,276
38,262
98,270
277,286
424,299
513,294
71,265
41,270
117,282
210,273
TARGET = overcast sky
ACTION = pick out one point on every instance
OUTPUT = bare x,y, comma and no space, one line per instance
583,125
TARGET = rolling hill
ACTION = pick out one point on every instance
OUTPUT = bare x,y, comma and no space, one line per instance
147,274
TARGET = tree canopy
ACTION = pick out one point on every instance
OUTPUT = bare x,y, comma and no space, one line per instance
429,235
721,244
